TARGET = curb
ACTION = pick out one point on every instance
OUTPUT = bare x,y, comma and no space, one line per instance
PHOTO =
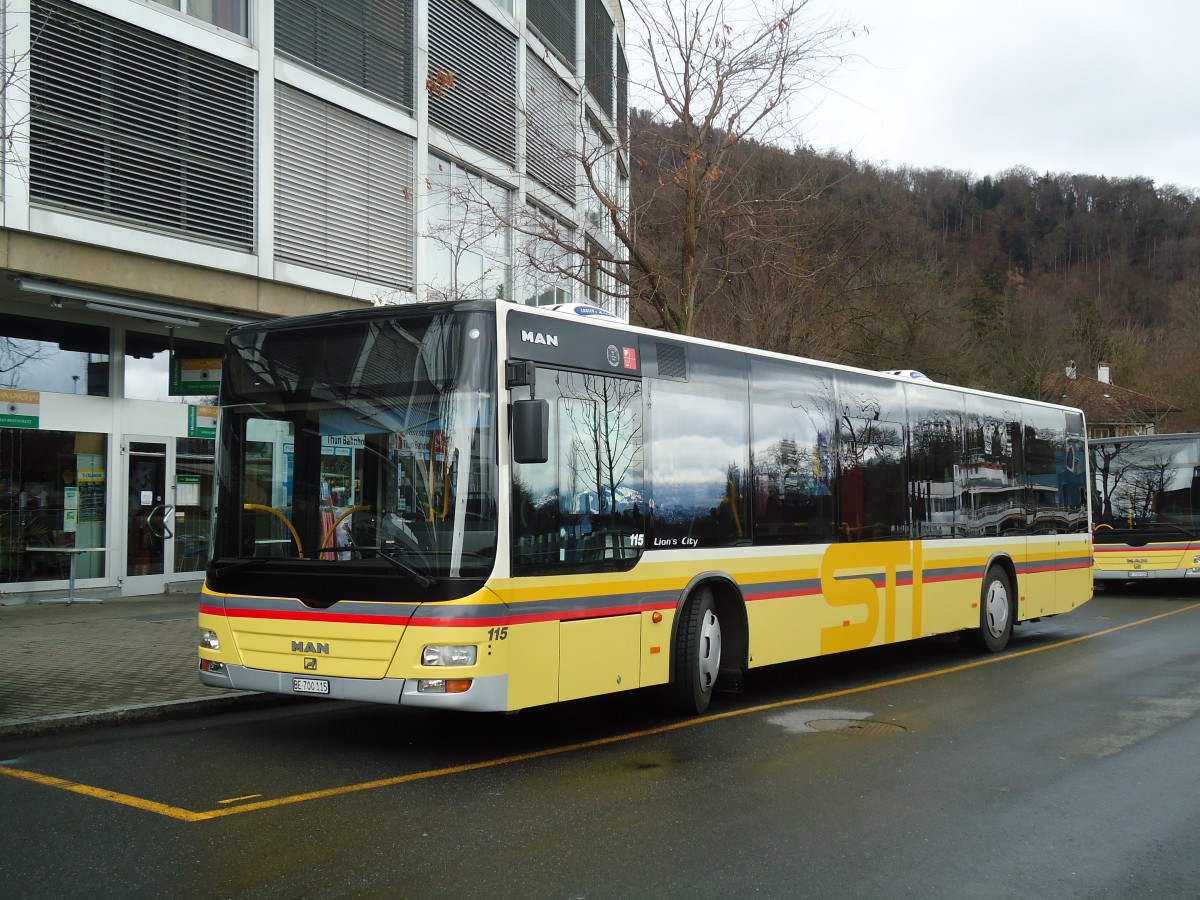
146,712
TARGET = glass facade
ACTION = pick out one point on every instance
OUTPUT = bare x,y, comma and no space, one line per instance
228,15
468,236
547,265
51,355
53,486
194,466
155,368
64,498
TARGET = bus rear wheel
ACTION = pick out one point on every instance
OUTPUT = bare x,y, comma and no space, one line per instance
696,660
996,611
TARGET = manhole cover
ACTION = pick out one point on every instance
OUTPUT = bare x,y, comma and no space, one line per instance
854,726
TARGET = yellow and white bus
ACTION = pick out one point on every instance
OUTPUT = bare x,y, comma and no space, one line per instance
1146,507
484,506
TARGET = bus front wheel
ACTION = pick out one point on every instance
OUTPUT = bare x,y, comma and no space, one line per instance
696,661
996,610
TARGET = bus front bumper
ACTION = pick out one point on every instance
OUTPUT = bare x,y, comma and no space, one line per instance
487,694
1144,574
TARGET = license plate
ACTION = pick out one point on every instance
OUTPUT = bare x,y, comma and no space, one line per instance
1139,574
310,685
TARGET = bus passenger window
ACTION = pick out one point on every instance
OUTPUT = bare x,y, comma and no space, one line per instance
582,508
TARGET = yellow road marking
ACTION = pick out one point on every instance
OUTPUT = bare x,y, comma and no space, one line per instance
239,799
187,815
173,812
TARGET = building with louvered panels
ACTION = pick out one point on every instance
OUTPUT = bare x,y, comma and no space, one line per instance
175,167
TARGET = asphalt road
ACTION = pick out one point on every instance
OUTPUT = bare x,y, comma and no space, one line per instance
1064,767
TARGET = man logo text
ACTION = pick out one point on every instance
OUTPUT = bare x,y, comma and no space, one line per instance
536,337
309,647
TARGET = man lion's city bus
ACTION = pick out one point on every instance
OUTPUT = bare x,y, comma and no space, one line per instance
484,506
1146,507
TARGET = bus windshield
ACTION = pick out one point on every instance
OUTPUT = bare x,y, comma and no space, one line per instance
1149,485
363,449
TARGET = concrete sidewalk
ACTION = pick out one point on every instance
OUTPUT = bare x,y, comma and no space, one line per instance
126,659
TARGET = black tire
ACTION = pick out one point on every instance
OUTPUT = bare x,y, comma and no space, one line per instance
997,609
696,657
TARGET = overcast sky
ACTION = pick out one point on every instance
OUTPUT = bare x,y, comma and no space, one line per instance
1103,87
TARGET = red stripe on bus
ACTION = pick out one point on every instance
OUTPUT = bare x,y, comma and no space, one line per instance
427,621
302,616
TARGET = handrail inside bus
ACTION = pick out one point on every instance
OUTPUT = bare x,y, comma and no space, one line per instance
273,511
336,522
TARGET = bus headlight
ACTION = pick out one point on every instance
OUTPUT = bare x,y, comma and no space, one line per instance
450,655
209,640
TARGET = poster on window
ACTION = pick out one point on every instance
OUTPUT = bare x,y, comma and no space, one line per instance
91,476
91,503
70,509
20,409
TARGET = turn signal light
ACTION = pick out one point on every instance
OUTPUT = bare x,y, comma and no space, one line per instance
443,685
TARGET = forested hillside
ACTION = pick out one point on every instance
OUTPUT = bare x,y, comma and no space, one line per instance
996,282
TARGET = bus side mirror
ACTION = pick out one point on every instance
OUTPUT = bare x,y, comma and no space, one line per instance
531,431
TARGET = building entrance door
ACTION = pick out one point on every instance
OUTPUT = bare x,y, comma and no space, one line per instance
149,546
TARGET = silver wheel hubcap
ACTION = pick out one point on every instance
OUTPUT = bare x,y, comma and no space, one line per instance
710,649
996,609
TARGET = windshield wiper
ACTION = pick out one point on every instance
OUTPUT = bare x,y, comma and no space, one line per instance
244,562
421,578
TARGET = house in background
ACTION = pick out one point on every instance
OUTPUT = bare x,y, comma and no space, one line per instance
1111,410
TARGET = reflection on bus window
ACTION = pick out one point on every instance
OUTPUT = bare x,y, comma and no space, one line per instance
794,482
584,508
871,459
700,454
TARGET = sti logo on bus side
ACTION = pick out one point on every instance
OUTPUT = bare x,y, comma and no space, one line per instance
536,337
310,647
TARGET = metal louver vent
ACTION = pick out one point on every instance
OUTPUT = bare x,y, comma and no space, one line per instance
343,191
672,360
598,59
371,44
550,153
554,22
473,67
622,97
132,126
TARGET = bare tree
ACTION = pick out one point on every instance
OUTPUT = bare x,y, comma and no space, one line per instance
673,234
15,355
14,89
725,86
